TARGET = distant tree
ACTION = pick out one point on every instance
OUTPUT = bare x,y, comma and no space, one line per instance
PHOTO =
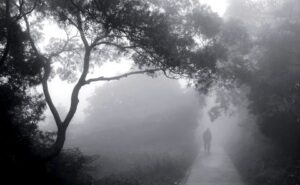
121,117
179,40
262,42
262,39
262,55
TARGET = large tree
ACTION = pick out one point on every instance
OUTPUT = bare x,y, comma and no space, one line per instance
178,40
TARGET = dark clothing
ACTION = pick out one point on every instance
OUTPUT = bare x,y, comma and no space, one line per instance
207,140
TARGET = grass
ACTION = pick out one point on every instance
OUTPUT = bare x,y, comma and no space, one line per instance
159,169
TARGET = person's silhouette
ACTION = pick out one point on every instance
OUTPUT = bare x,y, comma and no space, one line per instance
207,140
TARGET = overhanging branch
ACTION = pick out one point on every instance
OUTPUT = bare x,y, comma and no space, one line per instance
119,46
102,78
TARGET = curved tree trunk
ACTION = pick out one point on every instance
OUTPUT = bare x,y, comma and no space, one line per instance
56,148
63,125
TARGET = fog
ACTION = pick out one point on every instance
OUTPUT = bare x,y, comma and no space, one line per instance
132,123
140,101
139,117
150,92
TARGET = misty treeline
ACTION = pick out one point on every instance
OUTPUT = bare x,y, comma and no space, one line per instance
262,71
142,131
254,47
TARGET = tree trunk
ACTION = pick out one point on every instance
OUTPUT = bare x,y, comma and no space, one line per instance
57,146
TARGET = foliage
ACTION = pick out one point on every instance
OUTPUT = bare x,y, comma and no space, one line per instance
178,39
21,108
263,56
71,167
274,91
153,169
19,111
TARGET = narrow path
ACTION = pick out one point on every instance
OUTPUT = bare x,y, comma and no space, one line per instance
215,168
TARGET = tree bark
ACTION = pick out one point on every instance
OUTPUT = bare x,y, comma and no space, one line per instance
63,125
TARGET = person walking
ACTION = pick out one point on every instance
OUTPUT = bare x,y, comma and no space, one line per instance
207,137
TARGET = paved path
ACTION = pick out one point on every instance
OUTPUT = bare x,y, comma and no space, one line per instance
215,168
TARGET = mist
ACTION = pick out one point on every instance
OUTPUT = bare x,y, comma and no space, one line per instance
150,92
138,118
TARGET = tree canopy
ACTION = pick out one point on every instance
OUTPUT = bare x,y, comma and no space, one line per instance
255,46
262,42
178,39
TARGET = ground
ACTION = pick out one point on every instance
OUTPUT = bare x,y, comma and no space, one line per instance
215,168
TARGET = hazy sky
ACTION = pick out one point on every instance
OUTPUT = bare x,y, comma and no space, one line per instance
218,6
61,90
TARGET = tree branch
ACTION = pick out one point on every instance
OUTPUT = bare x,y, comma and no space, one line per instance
101,78
64,48
76,6
115,45
81,32
21,11
47,71
171,77
81,81
30,38
48,98
77,87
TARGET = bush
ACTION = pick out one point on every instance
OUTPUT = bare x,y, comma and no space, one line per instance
163,169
